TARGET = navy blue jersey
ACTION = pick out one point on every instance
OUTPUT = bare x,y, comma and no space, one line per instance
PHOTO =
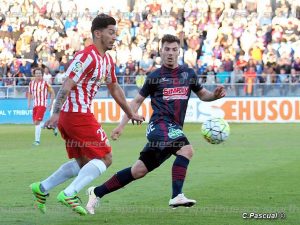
169,90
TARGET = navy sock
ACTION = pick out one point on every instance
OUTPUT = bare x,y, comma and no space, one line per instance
117,181
178,174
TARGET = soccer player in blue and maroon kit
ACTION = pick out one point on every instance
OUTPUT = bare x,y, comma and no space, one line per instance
169,88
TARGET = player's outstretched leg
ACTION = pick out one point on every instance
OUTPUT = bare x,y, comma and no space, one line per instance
178,176
39,196
119,180
87,174
63,173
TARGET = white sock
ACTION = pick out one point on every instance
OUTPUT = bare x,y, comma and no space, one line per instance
66,171
87,174
38,132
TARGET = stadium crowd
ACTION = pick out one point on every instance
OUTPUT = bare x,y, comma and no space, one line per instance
225,41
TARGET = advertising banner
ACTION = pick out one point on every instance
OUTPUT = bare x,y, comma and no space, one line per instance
16,111
246,110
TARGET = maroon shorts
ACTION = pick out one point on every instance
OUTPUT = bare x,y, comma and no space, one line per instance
84,136
38,113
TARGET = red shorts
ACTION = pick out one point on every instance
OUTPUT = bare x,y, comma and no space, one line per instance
38,113
84,136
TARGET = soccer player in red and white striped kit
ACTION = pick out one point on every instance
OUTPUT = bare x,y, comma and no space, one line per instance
38,91
85,139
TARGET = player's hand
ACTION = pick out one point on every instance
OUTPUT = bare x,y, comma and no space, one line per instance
52,122
219,92
137,119
116,133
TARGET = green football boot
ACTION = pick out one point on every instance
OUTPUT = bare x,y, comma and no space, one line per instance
72,202
39,196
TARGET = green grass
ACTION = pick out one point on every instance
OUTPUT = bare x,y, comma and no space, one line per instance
256,170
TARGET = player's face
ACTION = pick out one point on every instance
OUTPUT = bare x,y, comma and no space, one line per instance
38,75
169,54
108,37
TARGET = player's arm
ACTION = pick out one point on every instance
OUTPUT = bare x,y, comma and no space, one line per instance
29,99
135,104
119,96
208,96
204,94
29,95
63,94
59,101
52,96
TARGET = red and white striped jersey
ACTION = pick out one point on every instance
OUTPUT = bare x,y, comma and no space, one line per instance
88,70
39,92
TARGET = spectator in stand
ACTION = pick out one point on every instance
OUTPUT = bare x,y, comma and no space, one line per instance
210,77
250,79
282,81
190,58
130,64
127,76
222,77
60,76
294,80
64,61
25,67
47,76
3,68
52,64
146,62
241,63
236,79
227,63
9,81
15,67
296,64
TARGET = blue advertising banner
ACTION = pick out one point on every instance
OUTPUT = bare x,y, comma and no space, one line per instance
16,111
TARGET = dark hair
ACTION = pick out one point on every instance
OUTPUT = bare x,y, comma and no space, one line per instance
102,21
170,38
38,68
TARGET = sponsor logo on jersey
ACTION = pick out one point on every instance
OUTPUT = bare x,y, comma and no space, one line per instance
173,132
175,93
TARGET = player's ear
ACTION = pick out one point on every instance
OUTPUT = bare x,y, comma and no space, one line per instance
97,34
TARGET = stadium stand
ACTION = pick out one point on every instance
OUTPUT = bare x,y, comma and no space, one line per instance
252,47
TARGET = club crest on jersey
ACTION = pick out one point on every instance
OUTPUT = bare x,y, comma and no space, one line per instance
77,67
184,75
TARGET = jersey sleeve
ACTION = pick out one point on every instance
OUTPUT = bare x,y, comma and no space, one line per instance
111,71
81,65
194,82
147,88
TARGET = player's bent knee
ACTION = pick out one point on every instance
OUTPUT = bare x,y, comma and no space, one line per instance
36,122
99,164
107,159
186,151
139,170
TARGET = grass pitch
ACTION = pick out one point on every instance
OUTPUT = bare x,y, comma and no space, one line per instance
255,170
